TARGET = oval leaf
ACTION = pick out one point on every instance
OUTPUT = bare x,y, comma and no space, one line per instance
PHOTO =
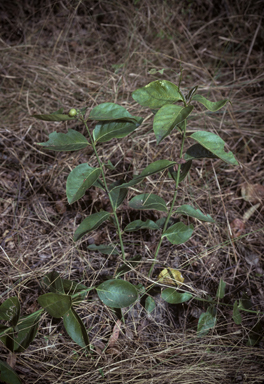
54,117
173,297
221,289
156,94
215,145
210,105
55,304
236,314
75,328
167,118
190,211
70,141
116,129
150,304
79,180
10,311
139,224
171,276
105,249
110,112
8,375
27,329
117,293
206,322
178,233
148,201
117,195
91,223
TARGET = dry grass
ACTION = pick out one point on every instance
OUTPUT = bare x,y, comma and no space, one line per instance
81,53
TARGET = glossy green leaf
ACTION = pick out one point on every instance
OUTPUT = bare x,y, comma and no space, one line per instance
70,141
105,249
75,328
26,331
129,265
236,314
54,117
8,375
155,167
10,311
167,118
110,112
206,321
173,297
148,201
188,210
91,223
117,293
79,180
116,129
197,151
139,224
178,233
72,288
183,171
210,105
53,282
190,94
156,94
221,289
55,304
150,304
215,145
117,195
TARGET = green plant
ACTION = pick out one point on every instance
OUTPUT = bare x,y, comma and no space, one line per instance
171,109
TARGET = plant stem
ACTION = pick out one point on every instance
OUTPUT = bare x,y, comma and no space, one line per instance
107,191
172,204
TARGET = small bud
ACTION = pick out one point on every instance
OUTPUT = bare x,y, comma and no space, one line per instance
72,112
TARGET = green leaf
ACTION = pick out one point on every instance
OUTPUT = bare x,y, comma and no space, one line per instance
5,330
167,118
178,233
116,129
72,287
210,105
79,180
70,141
197,151
155,167
10,311
236,314
54,117
55,304
91,223
27,329
139,224
206,322
117,195
150,304
255,335
111,112
128,266
190,94
173,297
117,293
190,211
148,201
215,145
105,249
8,375
156,94
75,328
221,289
53,282
183,171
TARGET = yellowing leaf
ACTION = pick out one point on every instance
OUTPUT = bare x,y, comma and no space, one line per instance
171,276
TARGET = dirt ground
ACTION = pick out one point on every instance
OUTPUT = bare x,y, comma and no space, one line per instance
82,53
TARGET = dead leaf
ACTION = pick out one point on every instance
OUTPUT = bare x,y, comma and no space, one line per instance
11,360
237,227
171,276
253,193
114,337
